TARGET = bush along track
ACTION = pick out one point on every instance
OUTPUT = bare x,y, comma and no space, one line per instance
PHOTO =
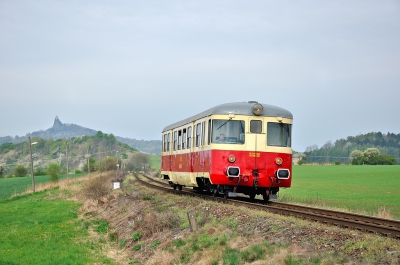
146,226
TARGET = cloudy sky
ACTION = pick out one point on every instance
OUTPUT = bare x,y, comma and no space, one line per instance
133,67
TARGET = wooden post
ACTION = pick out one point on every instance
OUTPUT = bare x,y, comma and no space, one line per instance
66,156
33,177
192,220
88,161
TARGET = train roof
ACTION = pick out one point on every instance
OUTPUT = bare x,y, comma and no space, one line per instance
237,108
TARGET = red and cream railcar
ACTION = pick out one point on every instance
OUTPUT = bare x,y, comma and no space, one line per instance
232,148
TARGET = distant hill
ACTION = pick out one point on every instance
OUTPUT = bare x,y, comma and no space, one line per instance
340,150
47,151
61,130
151,146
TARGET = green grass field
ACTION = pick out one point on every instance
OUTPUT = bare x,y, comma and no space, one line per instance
362,189
11,186
155,162
42,228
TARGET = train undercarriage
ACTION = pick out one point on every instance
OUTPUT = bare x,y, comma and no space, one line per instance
227,191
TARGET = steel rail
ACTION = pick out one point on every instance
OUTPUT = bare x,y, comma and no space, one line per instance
386,227
332,213
340,214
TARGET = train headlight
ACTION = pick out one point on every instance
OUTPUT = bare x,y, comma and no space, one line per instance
279,161
283,173
258,109
232,158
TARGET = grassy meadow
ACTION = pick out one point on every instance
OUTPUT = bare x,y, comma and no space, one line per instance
155,161
372,190
14,186
42,228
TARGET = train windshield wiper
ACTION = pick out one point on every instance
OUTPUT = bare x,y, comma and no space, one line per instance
224,123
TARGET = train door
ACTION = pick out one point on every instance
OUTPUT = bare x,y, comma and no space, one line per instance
255,144
190,146
166,165
169,150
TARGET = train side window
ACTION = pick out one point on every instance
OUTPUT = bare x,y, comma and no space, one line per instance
198,132
179,139
209,132
183,138
168,141
189,136
165,142
203,132
255,126
175,140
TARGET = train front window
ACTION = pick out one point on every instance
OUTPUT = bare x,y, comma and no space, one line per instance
227,131
255,126
279,134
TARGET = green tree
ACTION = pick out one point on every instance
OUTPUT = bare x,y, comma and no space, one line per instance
99,134
3,169
371,156
4,148
92,165
388,159
20,171
39,172
54,171
138,161
107,163
357,157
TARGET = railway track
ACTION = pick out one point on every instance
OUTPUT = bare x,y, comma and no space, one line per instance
386,227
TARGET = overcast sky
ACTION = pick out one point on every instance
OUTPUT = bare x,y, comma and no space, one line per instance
133,67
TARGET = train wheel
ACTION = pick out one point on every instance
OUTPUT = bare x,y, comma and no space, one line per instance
266,197
214,192
252,196
180,187
226,194
174,186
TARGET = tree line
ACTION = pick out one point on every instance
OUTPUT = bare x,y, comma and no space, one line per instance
100,152
363,145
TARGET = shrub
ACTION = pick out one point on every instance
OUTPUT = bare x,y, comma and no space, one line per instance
230,256
3,169
157,222
136,236
179,243
101,226
98,187
155,243
53,170
107,163
113,236
137,246
39,172
20,171
253,253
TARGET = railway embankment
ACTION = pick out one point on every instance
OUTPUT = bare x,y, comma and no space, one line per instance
152,227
